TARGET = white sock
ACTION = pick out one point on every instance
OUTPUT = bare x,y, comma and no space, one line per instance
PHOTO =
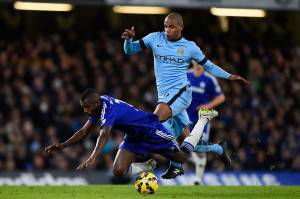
138,168
196,133
194,158
200,167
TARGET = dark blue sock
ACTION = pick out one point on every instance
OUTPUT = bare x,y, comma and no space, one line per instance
187,147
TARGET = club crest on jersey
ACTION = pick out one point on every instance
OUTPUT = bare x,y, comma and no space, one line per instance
180,51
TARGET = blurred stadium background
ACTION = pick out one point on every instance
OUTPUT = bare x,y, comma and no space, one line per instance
48,58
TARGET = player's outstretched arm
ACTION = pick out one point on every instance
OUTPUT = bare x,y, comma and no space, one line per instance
130,47
213,68
219,72
102,139
79,135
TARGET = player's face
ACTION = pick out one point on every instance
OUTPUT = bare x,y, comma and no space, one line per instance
172,28
92,107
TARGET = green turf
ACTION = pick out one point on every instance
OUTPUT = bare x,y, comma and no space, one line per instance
128,191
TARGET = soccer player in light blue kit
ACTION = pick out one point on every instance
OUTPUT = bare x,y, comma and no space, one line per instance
172,55
207,93
143,134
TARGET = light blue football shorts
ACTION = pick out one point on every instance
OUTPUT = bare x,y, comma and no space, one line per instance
179,101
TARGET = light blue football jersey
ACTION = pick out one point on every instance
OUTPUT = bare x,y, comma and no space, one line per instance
171,60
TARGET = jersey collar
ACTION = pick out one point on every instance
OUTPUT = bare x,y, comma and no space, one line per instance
174,40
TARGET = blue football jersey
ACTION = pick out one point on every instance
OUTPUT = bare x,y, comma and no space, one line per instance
204,88
125,117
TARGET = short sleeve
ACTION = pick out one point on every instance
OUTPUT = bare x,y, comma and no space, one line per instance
148,40
198,56
109,119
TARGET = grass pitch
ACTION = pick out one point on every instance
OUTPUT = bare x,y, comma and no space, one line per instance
128,191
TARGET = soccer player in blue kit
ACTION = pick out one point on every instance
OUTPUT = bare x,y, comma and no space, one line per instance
143,134
207,93
172,55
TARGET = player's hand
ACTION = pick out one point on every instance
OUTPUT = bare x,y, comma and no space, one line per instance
54,147
127,34
239,78
87,163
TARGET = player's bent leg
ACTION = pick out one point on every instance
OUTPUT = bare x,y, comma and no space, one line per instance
123,161
123,165
190,142
163,111
179,128
175,169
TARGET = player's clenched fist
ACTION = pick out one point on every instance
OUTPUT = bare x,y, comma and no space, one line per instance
127,34
54,147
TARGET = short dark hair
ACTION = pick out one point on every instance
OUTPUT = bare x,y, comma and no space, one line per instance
87,93
177,17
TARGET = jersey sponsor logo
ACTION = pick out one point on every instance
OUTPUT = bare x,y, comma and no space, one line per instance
169,59
159,45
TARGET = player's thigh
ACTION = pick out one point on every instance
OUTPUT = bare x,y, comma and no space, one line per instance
163,111
180,125
122,162
181,103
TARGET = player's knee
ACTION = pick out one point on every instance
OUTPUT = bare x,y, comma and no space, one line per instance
119,171
162,117
163,111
